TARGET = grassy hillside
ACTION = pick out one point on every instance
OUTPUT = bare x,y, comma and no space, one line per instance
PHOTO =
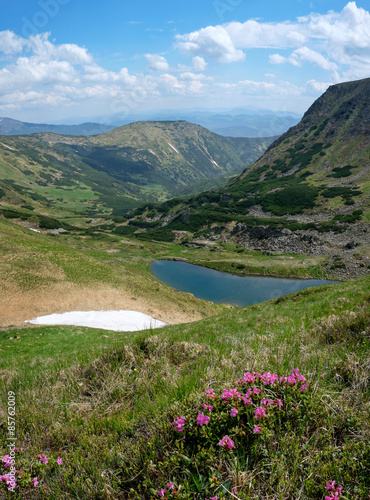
105,405
118,170
45,273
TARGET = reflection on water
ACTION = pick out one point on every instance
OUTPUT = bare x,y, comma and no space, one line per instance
224,287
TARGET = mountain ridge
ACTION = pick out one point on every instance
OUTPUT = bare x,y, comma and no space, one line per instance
119,169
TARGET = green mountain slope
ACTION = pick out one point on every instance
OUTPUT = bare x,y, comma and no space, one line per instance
118,170
313,178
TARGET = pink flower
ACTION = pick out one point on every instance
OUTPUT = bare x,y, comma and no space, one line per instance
260,412
247,400
266,402
179,423
161,492
7,460
331,486
206,407
291,380
304,388
234,412
214,498
211,394
202,419
59,461
227,443
230,394
339,490
256,391
171,486
43,458
257,429
11,481
279,402
248,378
35,482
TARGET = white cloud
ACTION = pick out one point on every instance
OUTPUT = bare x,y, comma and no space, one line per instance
11,43
199,64
214,42
188,75
318,86
157,62
335,41
304,54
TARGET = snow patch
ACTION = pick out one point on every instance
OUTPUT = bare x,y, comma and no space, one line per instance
5,146
118,321
32,229
173,148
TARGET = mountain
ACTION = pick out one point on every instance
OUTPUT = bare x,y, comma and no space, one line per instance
8,126
233,123
117,170
313,178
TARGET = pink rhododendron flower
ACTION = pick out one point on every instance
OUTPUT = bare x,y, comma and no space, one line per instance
35,482
234,412
291,380
248,378
247,400
257,429
59,461
202,419
230,394
211,394
260,412
304,388
279,402
207,407
331,486
7,460
171,486
227,443
179,423
43,458
256,391
11,481
161,492
266,402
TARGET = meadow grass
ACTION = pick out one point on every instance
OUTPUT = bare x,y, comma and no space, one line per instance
104,402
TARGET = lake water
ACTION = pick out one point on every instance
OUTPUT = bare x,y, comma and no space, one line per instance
226,288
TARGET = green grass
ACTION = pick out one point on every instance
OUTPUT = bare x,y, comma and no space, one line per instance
105,404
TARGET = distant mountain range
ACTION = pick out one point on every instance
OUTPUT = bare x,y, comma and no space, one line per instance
8,126
233,123
236,123
120,169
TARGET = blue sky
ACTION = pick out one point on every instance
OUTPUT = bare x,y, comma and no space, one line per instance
83,59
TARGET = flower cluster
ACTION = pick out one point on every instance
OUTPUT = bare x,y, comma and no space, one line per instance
179,423
256,398
162,491
335,492
24,476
